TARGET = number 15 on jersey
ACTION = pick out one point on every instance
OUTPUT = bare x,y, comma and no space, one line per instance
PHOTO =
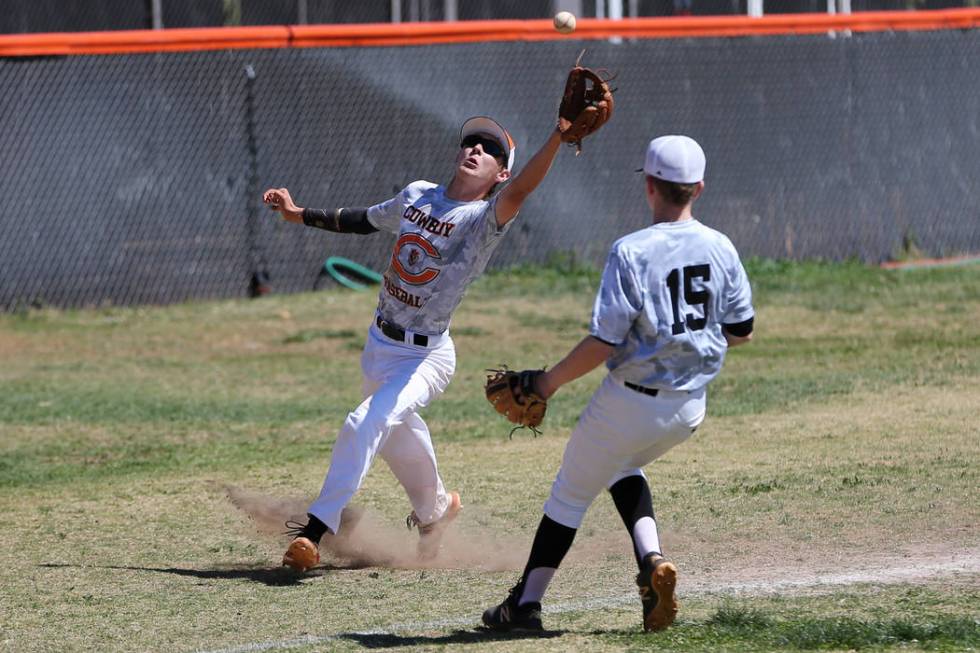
694,295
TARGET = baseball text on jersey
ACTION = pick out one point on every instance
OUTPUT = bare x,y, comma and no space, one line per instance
403,295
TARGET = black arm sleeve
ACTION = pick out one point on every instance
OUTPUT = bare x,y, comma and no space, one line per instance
342,221
741,329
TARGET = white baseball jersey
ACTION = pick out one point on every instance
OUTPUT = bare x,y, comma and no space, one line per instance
665,292
442,246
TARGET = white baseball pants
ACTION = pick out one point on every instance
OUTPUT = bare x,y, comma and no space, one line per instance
619,432
399,380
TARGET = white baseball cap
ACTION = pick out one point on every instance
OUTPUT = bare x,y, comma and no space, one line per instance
675,158
490,127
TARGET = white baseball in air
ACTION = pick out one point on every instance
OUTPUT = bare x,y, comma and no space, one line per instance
565,22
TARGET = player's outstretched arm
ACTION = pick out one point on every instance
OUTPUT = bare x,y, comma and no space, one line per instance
343,220
512,197
584,357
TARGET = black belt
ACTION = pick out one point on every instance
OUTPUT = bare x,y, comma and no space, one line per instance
395,333
653,392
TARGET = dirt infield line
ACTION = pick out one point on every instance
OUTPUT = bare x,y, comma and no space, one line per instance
788,582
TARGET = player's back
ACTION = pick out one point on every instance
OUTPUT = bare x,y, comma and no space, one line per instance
683,280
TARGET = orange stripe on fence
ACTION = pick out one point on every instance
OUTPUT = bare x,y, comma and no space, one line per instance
388,34
128,41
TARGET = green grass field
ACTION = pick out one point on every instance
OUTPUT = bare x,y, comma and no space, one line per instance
830,501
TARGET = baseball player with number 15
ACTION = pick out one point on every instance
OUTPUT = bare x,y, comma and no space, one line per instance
673,298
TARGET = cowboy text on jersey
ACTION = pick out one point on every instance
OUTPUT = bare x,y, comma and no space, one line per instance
403,295
427,222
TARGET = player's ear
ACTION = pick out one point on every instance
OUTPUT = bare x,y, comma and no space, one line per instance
503,175
650,186
698,190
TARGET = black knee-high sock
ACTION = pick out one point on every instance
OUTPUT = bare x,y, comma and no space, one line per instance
551,544
633,501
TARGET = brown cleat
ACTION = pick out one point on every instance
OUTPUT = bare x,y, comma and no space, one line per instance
430,535
301,555
656,582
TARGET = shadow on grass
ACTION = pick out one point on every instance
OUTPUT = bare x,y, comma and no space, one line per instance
274,577
476,636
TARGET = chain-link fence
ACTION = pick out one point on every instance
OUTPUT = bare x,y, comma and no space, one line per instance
20,16
136,178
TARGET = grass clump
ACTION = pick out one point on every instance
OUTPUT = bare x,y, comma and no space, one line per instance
746,628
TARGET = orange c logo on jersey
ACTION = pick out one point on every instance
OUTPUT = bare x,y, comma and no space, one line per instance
424,276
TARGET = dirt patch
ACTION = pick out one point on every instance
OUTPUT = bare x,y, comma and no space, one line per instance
366,541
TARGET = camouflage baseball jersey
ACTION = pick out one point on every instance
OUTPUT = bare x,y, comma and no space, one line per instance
442,246
665,292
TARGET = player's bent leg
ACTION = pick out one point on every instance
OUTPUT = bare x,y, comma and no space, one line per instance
409,453
585,470
656,582
411,457
363,434
596,452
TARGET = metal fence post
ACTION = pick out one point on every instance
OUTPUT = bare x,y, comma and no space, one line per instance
156,13
259,280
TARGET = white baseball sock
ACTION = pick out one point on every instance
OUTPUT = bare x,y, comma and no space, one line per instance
536,585
645,537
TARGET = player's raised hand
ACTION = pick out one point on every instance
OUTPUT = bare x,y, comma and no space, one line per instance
279,199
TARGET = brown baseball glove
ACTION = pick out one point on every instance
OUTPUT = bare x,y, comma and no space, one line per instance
586,105
513,395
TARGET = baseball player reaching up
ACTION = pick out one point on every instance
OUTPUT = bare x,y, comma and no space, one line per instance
673,298
445,236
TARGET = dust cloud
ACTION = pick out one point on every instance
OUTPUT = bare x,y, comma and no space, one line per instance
364,540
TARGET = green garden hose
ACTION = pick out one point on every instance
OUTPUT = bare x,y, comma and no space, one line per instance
335,266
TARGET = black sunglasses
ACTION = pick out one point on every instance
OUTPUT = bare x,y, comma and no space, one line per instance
490,146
